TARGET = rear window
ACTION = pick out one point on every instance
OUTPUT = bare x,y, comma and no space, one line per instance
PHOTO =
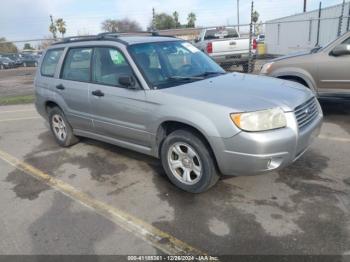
50,62
219,33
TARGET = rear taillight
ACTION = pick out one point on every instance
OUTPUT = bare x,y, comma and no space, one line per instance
209,47
254,43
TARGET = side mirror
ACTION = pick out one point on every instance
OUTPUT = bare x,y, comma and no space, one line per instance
339,50
127,81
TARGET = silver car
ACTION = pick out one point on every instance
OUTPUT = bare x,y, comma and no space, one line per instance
163,97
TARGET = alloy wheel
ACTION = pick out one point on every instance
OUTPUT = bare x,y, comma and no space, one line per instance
59,127
184,163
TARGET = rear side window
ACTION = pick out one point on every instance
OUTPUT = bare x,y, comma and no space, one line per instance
49,64
77,65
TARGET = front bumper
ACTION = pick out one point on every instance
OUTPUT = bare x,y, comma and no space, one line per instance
250,153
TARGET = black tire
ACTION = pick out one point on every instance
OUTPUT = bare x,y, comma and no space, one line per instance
209,174
69,139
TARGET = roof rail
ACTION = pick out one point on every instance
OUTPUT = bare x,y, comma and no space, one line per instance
116,34
77,39
107,36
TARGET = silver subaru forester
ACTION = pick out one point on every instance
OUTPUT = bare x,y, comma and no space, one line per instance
163,97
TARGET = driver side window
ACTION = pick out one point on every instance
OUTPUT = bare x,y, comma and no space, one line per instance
108,65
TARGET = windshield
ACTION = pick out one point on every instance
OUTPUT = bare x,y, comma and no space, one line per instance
167,64
321,48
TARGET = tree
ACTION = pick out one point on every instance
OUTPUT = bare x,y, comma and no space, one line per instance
255,18
53,28
7,47
123,25
164,21
191,20
259,29
27,46
176,19
46,43
61,26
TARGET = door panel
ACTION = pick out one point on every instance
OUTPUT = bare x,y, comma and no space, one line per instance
118,112
334,74
121,114
73,86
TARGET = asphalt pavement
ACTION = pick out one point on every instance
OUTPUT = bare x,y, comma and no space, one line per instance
96,198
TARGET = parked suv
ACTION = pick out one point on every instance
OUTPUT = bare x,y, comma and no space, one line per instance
163,97
325,70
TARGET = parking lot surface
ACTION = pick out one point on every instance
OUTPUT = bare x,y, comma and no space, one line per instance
17,81
303,209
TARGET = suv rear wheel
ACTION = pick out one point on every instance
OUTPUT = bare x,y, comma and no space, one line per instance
188,162
61,129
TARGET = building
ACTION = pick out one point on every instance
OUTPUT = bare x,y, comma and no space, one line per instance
184,33
300,32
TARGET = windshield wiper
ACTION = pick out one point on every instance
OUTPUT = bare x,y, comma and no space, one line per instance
209,73
185,78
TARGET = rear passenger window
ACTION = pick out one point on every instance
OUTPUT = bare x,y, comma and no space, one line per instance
77,65
108,65
50,62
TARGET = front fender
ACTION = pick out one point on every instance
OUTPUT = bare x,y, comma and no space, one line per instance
297,72
220,126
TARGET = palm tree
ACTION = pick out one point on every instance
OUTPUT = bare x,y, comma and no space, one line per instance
255,18
61,26
53,30
176,19
191,19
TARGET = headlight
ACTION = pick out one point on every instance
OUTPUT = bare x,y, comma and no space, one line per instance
260,120
266,69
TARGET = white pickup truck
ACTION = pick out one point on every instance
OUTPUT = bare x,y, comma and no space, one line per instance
225,46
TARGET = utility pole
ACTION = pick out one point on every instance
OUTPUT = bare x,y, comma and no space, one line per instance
153,19
348,25
238,15
305,5
250,59
319,24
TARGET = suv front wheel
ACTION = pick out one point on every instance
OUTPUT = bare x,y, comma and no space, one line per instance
60,128
188,162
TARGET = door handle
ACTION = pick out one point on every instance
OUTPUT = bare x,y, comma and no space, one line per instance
97,93
60,87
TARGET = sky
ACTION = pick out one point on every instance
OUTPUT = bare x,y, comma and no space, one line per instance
29,19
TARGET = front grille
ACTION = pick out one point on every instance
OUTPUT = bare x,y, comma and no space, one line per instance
306,112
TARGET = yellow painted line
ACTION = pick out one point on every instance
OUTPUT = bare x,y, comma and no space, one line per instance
17,119
152,235
15,111
340,139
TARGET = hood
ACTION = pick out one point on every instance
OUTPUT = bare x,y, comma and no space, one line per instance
292,55
244,93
